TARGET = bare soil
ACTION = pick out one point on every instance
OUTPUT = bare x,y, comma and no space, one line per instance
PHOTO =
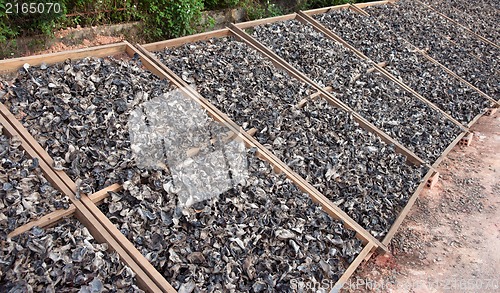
450,241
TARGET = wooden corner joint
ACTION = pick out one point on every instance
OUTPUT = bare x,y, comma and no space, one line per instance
432,181
466,140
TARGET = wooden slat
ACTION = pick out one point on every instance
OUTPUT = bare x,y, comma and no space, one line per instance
187,39
358,10
326,9
412,157
57,215
367,250
306,19
263,153
9,65
82,213
459,24
244,25
402,215
375,3
330,34
127,246
452,73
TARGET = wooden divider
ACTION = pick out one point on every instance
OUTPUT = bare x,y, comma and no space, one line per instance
55,216
437,10
358,9
82,213
149,279
305,18
422,51
279,62
265,154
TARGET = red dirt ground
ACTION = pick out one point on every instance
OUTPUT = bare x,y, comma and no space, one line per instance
450,241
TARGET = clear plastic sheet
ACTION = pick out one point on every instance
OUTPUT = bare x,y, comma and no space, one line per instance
172,131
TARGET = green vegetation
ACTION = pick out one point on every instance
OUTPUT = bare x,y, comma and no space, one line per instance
162,19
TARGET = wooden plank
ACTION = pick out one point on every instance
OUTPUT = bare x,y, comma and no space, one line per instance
375,3
326,9
358,10
459,24
265,154
420,97
450,72
9,65
157,46
367,250
58,215
306,19
448,149
244,25
402,215
330,34
88,205
412,157
82,213
304,101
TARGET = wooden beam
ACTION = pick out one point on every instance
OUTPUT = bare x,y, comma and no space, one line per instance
304,101
358,10
254,23
402,215
459,24
265,154
367,250
157,46
58,215
326,9
82,213
9,65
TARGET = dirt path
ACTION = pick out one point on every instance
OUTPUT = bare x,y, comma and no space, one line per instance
450,241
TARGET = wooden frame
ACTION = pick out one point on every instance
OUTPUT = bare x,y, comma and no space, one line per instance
101,228
307,19
459,24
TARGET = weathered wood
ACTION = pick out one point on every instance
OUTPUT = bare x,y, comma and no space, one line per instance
265,154
253,23
9,65
402,215
412,157
187,39
58,215
367,250
83,214
459,24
